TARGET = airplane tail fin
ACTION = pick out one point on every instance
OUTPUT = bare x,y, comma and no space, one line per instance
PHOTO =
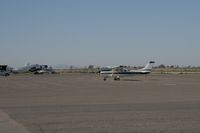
149,66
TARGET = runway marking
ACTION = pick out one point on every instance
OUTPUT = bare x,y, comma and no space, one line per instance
9,125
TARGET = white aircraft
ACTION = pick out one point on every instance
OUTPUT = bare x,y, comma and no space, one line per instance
121,71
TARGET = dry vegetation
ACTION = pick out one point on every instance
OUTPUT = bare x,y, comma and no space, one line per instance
178,70
159,70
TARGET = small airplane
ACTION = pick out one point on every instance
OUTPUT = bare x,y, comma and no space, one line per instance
48,70
34,68
4,70
121,71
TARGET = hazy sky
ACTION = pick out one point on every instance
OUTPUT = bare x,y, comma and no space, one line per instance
99,32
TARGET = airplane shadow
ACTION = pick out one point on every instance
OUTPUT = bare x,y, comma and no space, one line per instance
136,80
154,79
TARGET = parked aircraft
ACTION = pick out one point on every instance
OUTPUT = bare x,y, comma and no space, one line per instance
35,68
48,70
121,71
4,70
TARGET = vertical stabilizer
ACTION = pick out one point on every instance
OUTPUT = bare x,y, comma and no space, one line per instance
149,66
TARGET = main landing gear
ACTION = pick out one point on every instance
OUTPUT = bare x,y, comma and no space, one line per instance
117,78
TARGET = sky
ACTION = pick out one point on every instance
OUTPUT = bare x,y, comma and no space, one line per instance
100,32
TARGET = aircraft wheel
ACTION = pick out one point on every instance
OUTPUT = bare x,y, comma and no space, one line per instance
116,78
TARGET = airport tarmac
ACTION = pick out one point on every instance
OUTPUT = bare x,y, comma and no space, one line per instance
84,103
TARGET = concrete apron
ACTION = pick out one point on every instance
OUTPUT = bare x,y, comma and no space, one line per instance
9,125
